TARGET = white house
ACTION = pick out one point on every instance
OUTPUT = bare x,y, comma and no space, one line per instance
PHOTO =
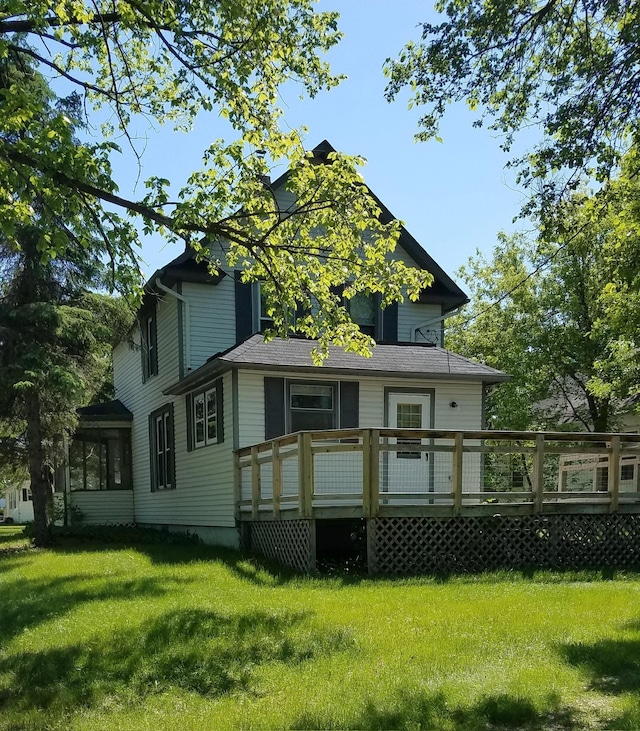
19,505
196,382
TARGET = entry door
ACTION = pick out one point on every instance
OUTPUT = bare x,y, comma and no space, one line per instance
409,471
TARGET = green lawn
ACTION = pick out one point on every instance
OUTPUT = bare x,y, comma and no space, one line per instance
177,637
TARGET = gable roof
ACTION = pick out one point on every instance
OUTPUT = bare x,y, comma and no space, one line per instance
444,291
293,355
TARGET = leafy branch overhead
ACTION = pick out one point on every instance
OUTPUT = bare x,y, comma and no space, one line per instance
570,69
165,62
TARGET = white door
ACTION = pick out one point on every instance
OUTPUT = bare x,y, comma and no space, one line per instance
409,471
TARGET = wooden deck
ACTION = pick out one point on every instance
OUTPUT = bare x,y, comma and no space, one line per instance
383,473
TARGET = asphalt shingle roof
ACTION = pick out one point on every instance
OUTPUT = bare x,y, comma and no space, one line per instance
407,360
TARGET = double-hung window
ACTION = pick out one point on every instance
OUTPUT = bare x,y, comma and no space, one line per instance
364,311
205,416
162,449
312,406
148,330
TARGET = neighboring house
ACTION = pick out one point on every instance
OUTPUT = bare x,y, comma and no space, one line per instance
196,382
19,505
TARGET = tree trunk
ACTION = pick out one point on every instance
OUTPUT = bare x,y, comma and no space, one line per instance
38,471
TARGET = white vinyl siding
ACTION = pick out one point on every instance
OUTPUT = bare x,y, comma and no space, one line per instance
372,394
413,314
212,319
467,414
113,506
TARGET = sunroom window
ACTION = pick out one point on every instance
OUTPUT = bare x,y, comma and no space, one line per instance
100,459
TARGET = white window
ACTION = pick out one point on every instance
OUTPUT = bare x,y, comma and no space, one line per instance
148,328
162,457
312,406
205,418
206,421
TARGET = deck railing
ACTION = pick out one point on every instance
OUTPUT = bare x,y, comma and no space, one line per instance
411,472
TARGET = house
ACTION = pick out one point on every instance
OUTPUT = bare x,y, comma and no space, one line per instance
196,382
19,505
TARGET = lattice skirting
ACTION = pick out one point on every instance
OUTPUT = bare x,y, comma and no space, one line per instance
290,542
428,545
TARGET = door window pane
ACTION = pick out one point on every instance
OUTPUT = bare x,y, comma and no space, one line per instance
409,416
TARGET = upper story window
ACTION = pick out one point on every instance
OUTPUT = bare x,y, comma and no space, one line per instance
265,321
204,411
149,337
365,313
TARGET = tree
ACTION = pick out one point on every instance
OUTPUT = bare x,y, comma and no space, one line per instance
561,318
56,329
168,60
56,347
569,68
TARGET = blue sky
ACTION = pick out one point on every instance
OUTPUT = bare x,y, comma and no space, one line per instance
453,196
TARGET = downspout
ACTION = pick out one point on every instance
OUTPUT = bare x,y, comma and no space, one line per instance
187,333
434,321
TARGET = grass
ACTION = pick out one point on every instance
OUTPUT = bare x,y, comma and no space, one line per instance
153,636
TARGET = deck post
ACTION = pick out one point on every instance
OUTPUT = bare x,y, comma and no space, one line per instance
308,475
237,484
538,474
305,475
374,473
456,476
276,466
366,472
255,483
614,474
301,476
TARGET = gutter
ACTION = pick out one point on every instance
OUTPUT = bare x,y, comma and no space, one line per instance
187,332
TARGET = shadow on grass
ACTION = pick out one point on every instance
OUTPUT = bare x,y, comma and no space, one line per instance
198,651
11,534
612,665
433,711
25,603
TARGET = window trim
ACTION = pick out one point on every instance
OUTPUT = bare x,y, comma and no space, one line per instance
164,416
193,398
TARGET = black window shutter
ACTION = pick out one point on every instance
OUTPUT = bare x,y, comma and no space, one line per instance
274,422
220,411
244,309
154,344
390,323
171,466
349,404
188,404
152,451
143,349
